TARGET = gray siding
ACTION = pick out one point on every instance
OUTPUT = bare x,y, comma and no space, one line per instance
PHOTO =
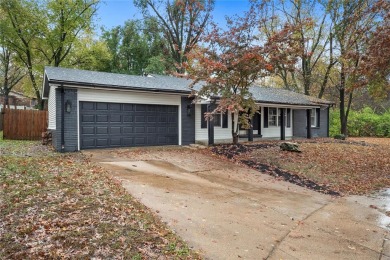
299,124
187,122
53,138
70,123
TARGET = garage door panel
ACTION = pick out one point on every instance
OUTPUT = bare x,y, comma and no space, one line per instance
152,139
101,106
151,129
140,141
128,141
102,142
127,118
114,107
88,143
152,119
140,119
115,141
171,130
115,118
128,107
87,106
101,118
139,129
171,139
162,130
127,129
141,108
115,130
88,130
113,125
88,118
102,130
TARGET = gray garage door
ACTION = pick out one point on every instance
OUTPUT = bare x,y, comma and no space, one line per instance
119,125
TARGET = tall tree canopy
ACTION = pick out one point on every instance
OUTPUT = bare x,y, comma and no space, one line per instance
314,43
65,21
138,47
352,22
182,22
10,72
44,32
232,60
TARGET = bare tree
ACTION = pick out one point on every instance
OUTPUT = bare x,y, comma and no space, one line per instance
314,43
182,22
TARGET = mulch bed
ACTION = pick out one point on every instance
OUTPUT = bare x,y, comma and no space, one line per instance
231,151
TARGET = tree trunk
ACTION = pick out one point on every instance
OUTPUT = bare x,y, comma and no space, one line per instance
235,127
6,100
343,117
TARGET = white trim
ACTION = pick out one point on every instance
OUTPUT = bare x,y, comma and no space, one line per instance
286,106
130,97
154,91
313,114
52,107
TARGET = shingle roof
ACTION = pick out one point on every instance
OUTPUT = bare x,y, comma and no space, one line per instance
282,96
114,80
76,77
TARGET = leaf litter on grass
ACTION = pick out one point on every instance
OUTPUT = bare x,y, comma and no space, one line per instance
354,166
63,206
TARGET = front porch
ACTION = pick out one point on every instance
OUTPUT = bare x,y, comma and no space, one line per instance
271,122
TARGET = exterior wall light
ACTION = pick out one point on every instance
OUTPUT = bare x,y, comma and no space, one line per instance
68,106
188,110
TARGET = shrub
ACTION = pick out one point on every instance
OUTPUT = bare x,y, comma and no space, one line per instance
362,123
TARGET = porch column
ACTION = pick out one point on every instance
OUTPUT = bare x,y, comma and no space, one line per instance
210,126
308,123
250,131
282,124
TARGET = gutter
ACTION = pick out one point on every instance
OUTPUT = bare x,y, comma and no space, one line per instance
118,87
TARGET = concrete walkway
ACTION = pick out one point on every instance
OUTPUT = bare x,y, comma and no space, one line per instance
227,211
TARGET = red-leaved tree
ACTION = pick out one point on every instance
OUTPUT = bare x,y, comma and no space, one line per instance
374,67
231,60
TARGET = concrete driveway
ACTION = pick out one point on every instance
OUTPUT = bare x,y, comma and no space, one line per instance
227,211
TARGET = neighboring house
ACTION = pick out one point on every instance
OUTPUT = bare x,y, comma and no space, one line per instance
90,109
18,100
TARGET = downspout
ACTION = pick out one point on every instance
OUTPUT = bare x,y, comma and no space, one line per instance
62,119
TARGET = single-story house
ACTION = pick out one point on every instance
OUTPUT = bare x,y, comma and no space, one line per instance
89,110
17,100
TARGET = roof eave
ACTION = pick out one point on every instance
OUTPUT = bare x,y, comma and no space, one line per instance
118,87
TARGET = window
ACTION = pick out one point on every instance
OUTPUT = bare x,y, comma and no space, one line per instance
288,117
217,119
313,117
273,116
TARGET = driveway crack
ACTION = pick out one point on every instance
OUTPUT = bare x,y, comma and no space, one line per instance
382,253
292,229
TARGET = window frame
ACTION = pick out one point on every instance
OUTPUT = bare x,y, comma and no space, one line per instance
273,117
217,115
313,117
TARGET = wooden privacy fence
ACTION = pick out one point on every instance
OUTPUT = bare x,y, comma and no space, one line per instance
24,124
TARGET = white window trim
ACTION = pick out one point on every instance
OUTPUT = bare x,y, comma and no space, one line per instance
220,120
278,114
314,115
